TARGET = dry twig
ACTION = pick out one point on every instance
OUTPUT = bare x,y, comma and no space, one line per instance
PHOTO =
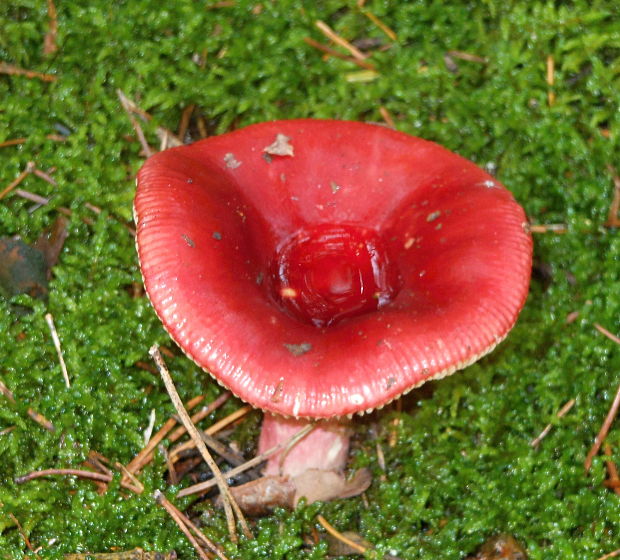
612,554
229,503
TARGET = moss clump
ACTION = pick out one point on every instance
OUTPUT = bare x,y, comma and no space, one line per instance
462,468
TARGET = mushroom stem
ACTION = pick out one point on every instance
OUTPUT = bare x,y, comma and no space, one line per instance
325,447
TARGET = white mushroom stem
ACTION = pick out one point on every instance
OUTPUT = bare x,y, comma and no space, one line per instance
325,448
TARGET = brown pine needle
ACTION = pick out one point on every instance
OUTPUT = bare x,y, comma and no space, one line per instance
550,70
167,137
550,79
174,454
608,334
45,176
612,554
613,480
136,485
162,501
337,54
146,455
385,115
64,472
548,228
372,17
200,415
613,217
338,535
31,196
331,34
12,70
41,420
202,127
560,413
29,168
184,122
135,554
20,141
97,461
13,142
49,44
468,57
49,319
21,531
202,486
130,109
7,392
227,499
602,434
178,516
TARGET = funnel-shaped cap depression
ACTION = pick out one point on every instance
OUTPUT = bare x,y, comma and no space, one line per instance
322,268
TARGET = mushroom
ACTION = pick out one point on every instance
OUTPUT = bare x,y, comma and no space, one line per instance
320,269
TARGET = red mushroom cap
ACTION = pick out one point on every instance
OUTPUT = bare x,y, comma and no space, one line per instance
322,268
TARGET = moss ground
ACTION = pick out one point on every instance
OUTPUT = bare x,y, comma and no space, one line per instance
462,468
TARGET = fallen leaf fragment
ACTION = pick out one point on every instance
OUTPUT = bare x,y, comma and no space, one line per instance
23,269
280,147
262,496
26,269
321,486
500,547
51,242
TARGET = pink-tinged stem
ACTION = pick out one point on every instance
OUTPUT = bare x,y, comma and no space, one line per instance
326,447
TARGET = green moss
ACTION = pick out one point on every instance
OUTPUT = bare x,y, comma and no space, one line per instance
462,469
